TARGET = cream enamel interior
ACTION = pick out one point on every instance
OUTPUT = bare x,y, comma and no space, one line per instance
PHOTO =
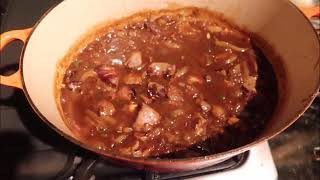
277,21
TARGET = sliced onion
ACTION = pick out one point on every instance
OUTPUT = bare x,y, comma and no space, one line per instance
147,152
109,120
250,83
74,86
127,129
136,146
205,106
93,118
215,29
233,120
194,79
181,71
87,74
135,60
117,62
91,114
231,59
229,45
218,111
176,113
161,68
120,138
171,44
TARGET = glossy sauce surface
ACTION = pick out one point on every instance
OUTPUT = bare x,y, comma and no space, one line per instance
161,82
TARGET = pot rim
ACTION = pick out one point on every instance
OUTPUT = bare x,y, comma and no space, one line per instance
221,155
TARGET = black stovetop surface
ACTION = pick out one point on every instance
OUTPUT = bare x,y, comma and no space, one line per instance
29,149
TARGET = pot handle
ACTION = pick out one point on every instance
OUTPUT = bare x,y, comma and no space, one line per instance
310,12
13,80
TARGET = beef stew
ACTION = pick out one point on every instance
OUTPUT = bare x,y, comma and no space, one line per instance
160,82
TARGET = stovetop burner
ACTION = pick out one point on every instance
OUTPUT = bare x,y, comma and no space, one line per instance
31,150
100,169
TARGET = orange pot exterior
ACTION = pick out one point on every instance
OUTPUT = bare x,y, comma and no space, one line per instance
13,80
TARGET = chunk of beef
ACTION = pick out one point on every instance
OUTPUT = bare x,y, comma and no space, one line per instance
156,90
108,74
146,118
135,60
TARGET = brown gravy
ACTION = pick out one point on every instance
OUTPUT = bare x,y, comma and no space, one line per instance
169,84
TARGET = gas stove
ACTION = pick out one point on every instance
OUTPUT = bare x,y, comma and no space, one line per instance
31,150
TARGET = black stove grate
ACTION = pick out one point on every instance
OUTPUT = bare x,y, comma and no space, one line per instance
92,168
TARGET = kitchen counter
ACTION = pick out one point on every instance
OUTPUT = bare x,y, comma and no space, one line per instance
296,151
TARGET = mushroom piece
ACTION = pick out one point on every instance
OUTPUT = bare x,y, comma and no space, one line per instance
175,95
161,69
106,108
146,117
108,74
135,60
156,90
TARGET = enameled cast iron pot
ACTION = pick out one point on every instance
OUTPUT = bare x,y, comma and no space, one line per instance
278,22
